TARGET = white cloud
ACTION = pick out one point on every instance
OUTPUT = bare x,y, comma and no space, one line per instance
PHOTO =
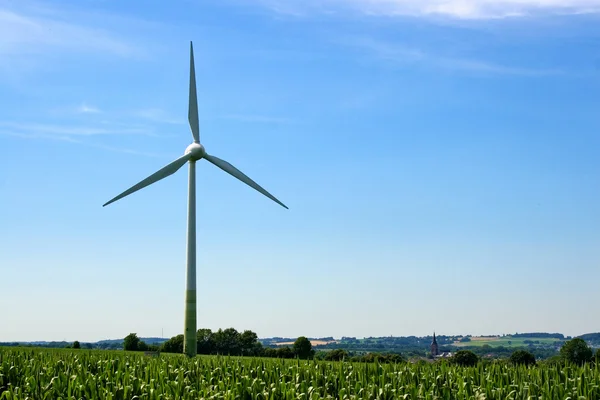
465,9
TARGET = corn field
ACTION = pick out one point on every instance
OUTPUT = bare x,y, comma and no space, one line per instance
95,374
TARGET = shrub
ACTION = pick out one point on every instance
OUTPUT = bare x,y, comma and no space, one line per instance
522,357
336,355
464,358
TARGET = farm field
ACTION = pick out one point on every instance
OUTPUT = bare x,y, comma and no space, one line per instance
96,374
507,341
312,342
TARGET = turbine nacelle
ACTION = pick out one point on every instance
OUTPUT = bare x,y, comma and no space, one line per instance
196,150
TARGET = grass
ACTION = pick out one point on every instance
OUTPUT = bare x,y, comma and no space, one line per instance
95,374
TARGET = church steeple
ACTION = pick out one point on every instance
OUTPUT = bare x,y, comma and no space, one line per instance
434,346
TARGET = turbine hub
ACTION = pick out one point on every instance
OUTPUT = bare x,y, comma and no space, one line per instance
197,151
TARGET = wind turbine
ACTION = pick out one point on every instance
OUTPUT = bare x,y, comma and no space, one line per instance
193,153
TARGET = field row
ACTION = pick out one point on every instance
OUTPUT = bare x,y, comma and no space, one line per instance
52,374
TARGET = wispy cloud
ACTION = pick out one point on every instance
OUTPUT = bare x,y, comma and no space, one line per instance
24,32
86,109
465,9
401,55
159,115
256,118
121,150
35,35
70,134
51,130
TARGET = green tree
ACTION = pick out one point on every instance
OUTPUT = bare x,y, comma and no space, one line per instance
269,352
284,352
153,347
76,345
227,342
130,343
576,351
465,358
173,345
205,341
248,343
303,348
142,346
394,358
597,356
522,357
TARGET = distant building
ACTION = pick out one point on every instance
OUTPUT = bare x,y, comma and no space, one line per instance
435,350
434,346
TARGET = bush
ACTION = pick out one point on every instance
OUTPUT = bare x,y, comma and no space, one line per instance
554,361
522,357
336,355
284,352
464,358
390,358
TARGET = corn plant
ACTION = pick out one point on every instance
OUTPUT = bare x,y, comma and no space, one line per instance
96,374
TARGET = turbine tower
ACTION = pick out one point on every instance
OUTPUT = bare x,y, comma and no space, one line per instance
193,153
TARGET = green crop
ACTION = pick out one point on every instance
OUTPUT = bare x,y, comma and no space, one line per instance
94,374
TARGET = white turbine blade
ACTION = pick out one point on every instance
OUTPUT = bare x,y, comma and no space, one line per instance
155,177
233,171
193,106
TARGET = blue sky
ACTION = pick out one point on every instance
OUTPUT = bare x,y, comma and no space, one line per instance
440,162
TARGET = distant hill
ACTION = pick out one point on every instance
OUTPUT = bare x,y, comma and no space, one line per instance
592,338
107,344
148,340
544,344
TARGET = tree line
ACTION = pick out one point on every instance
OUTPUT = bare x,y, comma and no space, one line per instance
574,351
370,357
227,342
545,335
233,343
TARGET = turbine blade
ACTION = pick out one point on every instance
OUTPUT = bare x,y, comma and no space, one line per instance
193,106
155,177
233,171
